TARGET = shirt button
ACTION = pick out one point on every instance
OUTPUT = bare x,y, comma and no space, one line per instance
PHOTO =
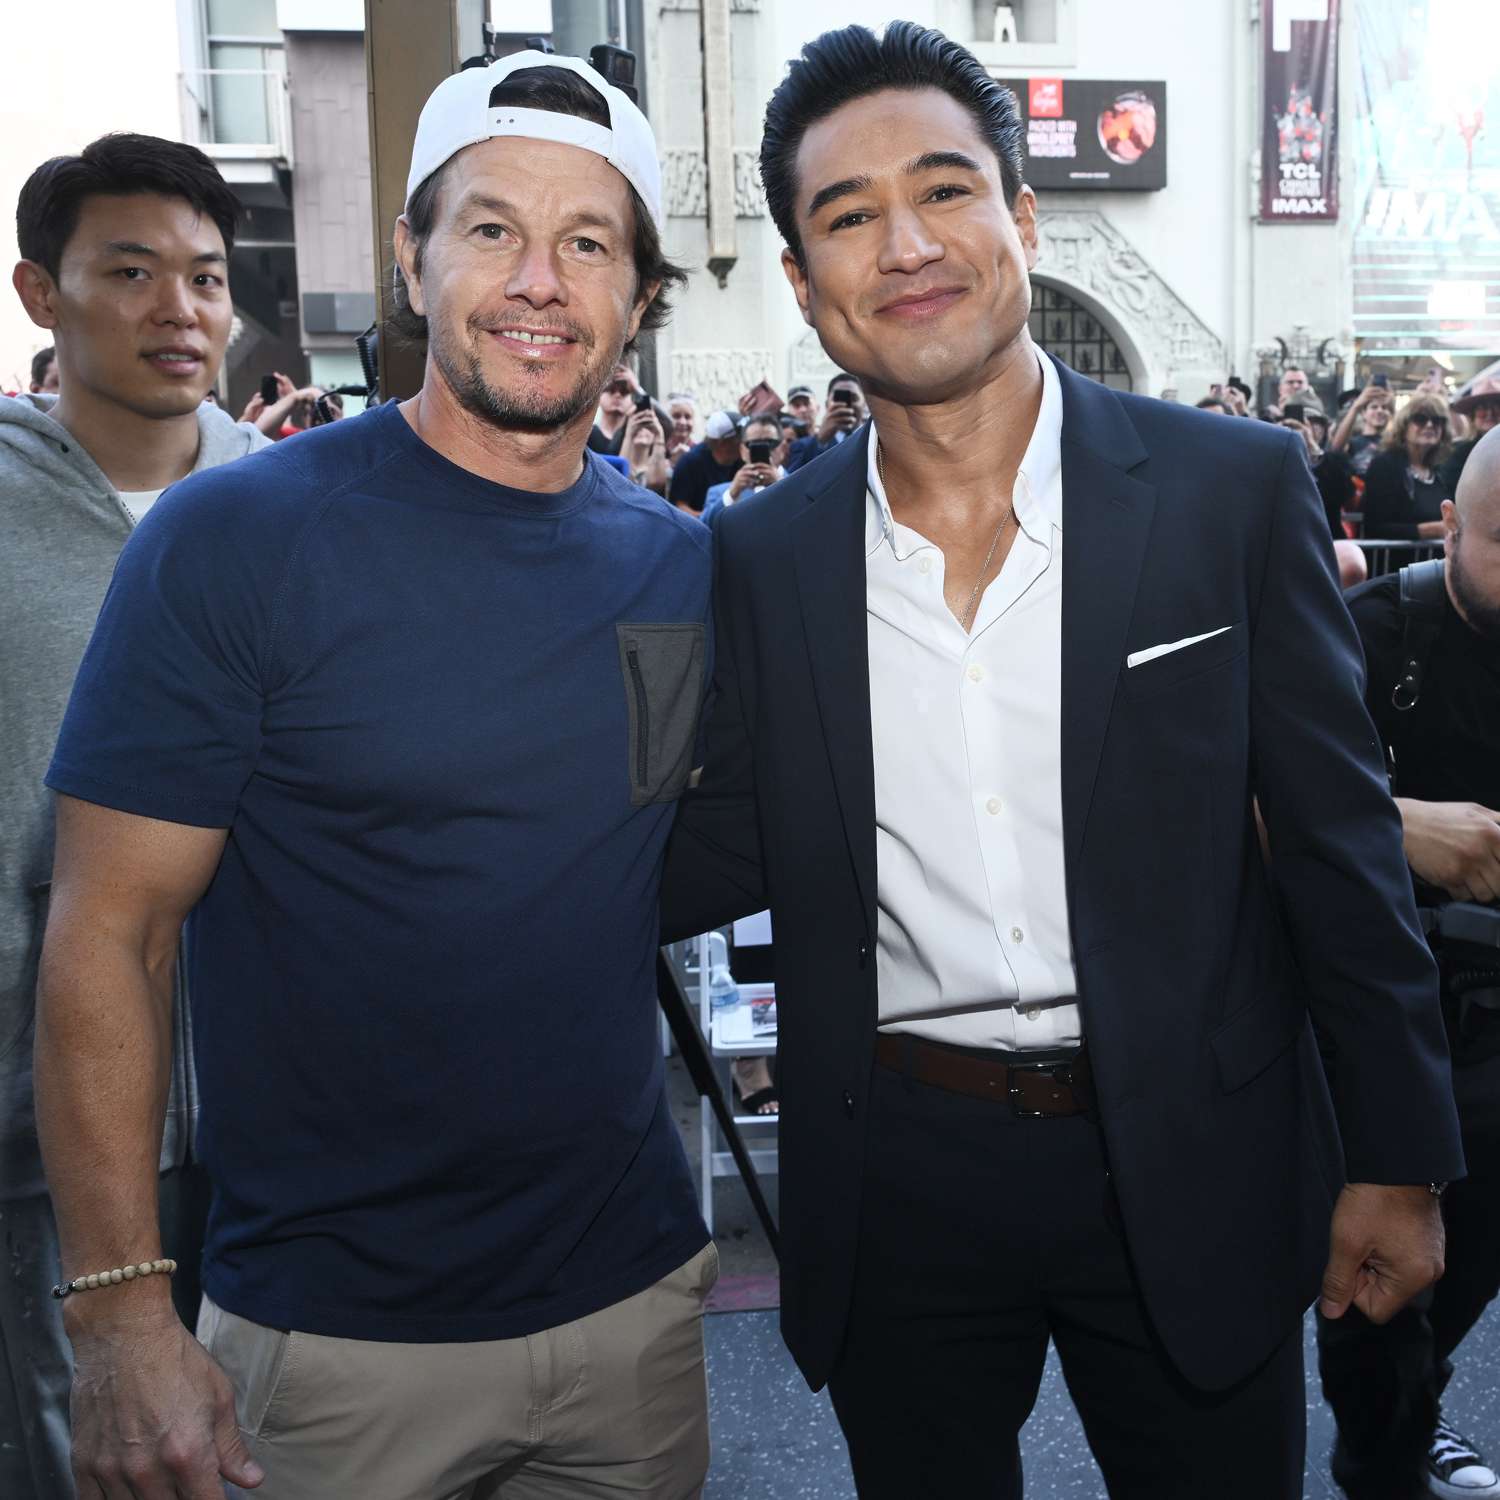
864,954
848,1104
992,807
1016,935
1030,1012
924,565
976,673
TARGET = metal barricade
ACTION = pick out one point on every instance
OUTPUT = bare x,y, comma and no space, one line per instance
1383,557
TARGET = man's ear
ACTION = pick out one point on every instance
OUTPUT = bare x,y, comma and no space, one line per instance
1024,213
38,292
1450,526
796,274
405,245
644,298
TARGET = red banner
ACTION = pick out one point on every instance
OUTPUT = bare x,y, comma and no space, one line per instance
1299,167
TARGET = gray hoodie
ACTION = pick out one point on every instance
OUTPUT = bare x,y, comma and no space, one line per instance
62,525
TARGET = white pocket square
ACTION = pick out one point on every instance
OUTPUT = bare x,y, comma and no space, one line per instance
1136,658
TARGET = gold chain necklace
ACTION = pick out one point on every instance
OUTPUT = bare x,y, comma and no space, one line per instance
966,619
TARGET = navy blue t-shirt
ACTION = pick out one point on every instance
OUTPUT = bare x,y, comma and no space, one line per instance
446,723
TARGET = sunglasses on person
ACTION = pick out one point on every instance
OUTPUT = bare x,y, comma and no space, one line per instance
618,388
1438,422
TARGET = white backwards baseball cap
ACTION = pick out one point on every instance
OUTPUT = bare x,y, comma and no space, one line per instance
459,114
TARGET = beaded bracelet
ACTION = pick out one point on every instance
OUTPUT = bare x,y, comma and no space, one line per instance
114,1278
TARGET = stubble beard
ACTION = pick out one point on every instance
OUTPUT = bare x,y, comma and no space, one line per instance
1480,614
523,409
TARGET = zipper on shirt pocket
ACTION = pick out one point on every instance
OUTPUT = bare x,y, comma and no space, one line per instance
643,716
661,672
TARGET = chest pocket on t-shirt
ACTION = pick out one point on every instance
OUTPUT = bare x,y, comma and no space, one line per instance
663,670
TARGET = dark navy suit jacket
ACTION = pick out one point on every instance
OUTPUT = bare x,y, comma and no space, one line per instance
1200,973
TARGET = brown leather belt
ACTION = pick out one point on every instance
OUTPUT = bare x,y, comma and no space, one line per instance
1034,1090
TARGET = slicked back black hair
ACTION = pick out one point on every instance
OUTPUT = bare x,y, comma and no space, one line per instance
841,66
563,93
48,208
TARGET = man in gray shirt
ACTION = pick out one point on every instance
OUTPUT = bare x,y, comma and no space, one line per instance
125,263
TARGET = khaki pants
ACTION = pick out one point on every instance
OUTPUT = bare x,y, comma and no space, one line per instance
615,1404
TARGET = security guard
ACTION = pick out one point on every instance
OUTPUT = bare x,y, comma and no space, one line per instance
1431,635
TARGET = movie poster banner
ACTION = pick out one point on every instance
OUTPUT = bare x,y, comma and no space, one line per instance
1299,154
1103,135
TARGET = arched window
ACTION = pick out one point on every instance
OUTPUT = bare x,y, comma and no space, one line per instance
1071,333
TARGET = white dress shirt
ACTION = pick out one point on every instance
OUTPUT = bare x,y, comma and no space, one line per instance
972,944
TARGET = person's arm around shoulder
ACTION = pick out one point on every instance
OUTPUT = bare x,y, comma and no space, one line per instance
1337,860
152,1414
714,869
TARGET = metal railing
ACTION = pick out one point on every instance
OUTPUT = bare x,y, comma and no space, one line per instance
245,109
1383,557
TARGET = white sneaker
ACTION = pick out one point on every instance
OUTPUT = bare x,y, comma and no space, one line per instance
1456,1469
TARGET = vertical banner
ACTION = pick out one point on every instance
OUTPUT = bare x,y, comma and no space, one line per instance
1299,165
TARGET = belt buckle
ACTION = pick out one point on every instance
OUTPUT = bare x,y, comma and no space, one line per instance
1061,1073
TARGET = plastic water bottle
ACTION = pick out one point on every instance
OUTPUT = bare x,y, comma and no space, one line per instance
723,992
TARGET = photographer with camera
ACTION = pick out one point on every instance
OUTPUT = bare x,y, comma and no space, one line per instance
844,412
645,449
763,448
1431,635
1357,433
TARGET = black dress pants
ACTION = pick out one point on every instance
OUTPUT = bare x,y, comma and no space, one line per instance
1384,1382
981,1237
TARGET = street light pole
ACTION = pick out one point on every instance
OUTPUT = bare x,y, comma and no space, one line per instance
410,47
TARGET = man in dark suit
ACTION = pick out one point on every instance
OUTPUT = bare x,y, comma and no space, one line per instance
1047,1058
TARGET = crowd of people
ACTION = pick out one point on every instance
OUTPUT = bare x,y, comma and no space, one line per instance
1384,461
355,770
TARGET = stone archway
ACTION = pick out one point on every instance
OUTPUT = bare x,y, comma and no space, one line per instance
1162,340
1081,337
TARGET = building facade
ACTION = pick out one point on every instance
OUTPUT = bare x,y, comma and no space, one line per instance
1166,288
1155,291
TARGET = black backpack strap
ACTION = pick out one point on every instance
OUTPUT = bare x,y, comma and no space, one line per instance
1423,603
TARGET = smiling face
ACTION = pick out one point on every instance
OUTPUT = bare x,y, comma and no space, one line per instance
915,271
140,305
527,280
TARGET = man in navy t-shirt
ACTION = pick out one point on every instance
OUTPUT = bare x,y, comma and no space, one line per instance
399,713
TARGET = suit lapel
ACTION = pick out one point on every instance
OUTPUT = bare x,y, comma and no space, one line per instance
1107,518
829,553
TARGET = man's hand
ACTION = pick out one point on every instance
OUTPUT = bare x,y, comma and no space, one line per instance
1314,453
153,1415
642,435
750,477
1453,845
837,419
1385,1246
